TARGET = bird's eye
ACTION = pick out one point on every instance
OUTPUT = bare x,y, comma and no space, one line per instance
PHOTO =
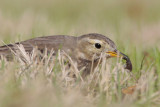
97,45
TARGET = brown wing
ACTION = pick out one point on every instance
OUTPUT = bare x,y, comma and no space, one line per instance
49,42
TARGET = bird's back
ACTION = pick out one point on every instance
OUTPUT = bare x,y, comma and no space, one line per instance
50,42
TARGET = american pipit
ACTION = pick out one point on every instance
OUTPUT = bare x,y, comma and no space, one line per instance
83,49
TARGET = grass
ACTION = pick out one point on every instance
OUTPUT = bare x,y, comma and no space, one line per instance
133,25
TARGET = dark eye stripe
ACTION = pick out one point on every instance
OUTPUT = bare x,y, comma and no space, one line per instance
97,45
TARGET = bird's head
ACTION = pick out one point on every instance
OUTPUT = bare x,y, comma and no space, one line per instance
92,45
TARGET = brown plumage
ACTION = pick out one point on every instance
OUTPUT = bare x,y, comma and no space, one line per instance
82,49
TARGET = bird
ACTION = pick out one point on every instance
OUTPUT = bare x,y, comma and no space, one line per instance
83,49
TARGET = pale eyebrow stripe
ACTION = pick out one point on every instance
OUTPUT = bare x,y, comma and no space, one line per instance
95,41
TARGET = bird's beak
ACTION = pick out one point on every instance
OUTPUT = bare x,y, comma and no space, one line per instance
123,56
114,54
